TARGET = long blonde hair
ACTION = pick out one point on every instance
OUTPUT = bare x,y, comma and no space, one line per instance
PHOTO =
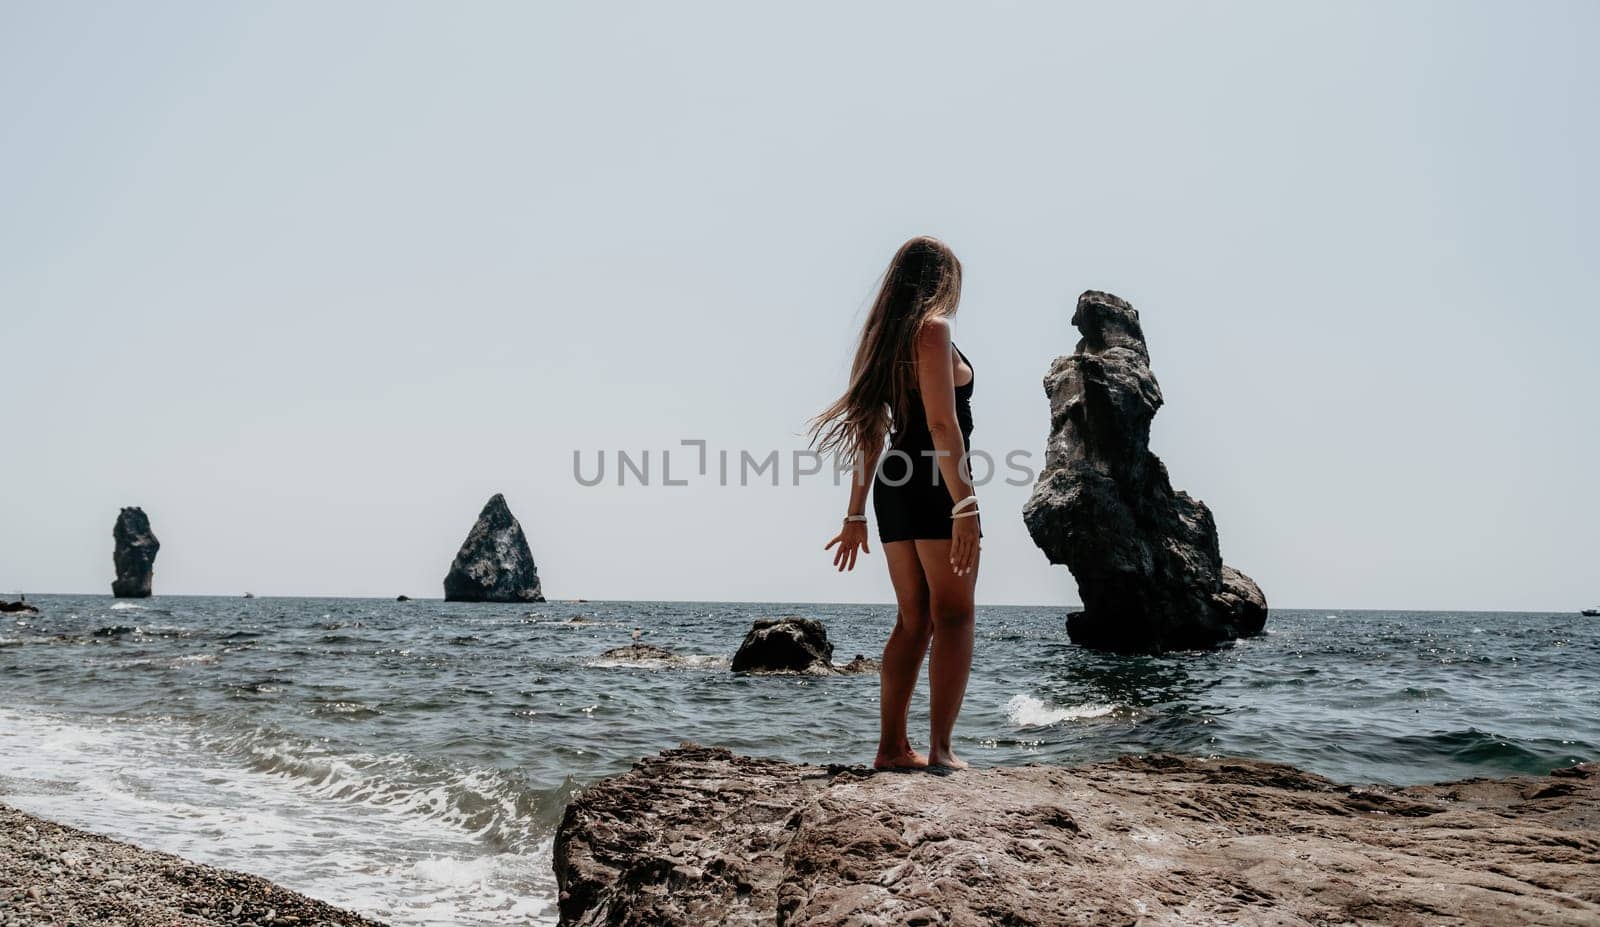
922,282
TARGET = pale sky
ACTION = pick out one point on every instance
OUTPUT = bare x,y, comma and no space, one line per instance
309,282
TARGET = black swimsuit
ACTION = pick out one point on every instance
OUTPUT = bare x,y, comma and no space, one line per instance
916,505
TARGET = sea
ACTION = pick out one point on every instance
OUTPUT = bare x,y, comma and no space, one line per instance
411,760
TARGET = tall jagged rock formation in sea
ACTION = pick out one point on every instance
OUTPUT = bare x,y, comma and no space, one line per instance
494,563
134,555
1149,570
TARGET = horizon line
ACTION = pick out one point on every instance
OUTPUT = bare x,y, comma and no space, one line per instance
889,604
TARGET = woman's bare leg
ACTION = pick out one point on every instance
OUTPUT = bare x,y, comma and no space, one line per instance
950,606
902,657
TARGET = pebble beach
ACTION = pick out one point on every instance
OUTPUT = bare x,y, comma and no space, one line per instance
52,874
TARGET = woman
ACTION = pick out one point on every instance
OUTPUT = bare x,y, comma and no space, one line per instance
910,382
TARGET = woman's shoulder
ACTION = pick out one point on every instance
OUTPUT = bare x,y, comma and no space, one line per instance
934,333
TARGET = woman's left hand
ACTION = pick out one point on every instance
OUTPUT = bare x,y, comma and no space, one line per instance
852,536
964,545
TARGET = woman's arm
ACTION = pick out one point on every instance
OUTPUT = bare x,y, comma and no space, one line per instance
936,380
854,533
861,482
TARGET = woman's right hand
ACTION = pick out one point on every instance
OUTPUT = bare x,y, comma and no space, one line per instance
851,537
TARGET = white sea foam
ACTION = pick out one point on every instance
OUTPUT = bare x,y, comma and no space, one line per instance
479,802
1028,711
686,661
126,606
357,831
448,870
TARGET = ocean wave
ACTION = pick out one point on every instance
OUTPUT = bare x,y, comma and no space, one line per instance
402,840
346,639
164,631
1474,747
481,802
1025,710
355,711
443,881
1422,692
484,802
256,687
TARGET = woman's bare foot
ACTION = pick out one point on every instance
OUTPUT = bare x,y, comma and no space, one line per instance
904,759
944,759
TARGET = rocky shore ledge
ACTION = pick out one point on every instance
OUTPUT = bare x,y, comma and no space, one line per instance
50,874
700,836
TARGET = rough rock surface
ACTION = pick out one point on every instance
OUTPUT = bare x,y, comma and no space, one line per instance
135,554
701,836
785,645
1146,558
859,665
50,874
637,652
494,563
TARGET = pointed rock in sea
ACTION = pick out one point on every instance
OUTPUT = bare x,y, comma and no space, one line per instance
494,563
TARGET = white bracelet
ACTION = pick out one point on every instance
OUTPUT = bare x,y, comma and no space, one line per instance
970,500
971,514
860,518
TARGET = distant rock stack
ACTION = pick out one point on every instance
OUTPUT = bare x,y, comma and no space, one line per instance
1146,557
135,554
494,563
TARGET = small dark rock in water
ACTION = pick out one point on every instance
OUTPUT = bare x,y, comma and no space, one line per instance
785,645
17,608
860,665
494,564
402,598
637,652
1146,557
135,554
702,836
